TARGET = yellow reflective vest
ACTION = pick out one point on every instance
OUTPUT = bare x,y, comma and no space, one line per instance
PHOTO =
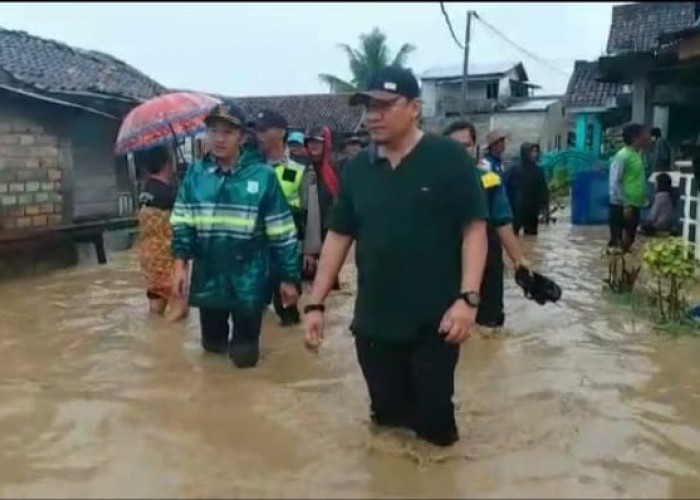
290,175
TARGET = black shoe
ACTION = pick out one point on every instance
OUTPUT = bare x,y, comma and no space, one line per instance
290,321
537,287
244,355
290,317
214,347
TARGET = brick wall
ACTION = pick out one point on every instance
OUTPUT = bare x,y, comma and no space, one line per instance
31,175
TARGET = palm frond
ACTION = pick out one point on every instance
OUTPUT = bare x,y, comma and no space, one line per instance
337,85
402,55
371,56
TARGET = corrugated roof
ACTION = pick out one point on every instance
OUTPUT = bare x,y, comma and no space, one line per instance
475,69
536,104
584,91
50,66
636,27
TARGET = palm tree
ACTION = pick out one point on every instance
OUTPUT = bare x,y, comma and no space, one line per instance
372,55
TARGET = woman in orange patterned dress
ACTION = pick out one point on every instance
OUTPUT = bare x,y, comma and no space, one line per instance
155,255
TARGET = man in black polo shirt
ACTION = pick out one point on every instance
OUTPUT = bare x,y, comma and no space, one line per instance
415,208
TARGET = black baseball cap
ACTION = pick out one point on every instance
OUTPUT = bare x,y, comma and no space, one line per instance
228,112
267,119
315,134
389,84
353,139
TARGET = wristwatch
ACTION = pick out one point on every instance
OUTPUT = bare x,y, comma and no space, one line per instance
472,299
314,307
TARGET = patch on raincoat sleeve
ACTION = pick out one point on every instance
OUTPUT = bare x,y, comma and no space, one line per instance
490,180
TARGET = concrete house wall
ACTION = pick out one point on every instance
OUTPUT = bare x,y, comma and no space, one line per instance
56,164
538,126
548,128
435,91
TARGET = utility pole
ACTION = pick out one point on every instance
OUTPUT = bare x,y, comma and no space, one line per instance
465,69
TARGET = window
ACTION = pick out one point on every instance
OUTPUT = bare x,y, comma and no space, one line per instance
492,90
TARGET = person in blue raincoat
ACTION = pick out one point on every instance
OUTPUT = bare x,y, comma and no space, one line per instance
500,233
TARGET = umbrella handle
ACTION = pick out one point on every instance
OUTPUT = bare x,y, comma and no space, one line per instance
177,144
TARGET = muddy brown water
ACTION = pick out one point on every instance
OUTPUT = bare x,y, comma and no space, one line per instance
580,399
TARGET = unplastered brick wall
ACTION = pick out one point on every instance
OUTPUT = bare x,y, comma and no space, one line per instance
31,176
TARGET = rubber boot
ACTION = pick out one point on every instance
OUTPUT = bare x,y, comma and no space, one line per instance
213,347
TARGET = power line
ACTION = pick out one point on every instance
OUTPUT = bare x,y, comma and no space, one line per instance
501,35
449,25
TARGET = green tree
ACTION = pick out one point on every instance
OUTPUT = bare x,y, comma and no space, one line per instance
372,55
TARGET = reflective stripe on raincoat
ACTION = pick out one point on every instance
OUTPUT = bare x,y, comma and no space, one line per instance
231,225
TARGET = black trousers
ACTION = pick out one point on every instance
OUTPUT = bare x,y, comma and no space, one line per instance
411,385
530,226
491,313
619,224
216,329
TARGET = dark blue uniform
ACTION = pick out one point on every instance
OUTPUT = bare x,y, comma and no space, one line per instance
491,312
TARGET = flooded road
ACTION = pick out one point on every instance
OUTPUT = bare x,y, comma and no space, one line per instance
575,400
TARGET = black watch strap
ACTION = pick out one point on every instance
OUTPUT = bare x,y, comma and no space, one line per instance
472,299
314,307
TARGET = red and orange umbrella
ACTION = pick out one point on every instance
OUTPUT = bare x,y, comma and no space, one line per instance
162,120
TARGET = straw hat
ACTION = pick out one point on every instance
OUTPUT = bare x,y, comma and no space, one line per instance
495,136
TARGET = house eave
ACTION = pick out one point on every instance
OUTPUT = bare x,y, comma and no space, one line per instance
624,67
55,101
588,109
449,79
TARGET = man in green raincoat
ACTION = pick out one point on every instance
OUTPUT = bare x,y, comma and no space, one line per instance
231,220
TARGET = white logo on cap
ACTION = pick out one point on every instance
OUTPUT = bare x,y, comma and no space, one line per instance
389,86
261,114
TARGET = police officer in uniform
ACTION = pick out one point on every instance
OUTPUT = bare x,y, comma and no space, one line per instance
500,233
271,135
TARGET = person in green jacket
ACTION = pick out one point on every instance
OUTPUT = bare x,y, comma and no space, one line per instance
628,186
231,220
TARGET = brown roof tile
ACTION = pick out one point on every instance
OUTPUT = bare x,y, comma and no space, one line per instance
308,110
50,66
637,26
584,91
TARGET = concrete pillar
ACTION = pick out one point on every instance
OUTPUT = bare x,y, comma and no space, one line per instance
642,101
581,123
660,120
597,134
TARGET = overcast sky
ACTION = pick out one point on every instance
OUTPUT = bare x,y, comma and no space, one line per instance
242,49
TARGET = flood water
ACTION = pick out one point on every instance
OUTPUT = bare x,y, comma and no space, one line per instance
579,399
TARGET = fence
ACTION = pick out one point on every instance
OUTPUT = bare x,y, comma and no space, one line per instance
689,213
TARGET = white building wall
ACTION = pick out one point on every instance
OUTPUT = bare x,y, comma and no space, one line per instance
429,98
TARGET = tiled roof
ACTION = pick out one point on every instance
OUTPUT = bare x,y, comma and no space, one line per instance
585,92
637,26
308,110
50,66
